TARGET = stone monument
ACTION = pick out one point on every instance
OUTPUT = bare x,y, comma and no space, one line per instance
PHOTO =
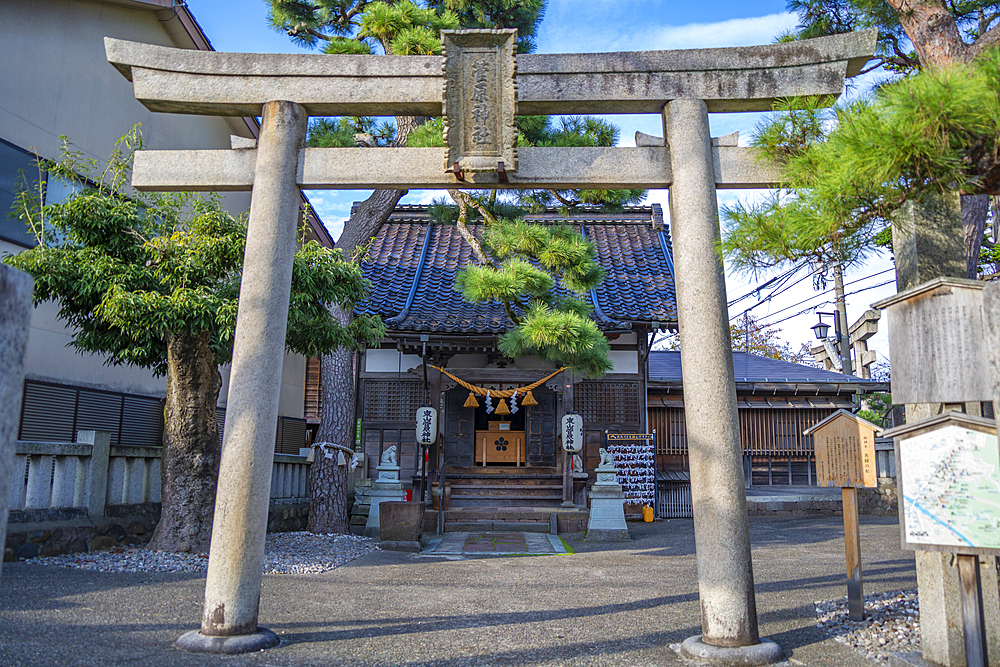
607,504
15,316
387,486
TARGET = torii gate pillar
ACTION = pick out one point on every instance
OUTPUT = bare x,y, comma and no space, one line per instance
722,533
236,555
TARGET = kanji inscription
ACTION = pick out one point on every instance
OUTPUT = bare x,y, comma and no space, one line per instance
845,454
480,100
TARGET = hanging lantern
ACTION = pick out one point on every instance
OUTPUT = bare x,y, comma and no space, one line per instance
572,432
427,425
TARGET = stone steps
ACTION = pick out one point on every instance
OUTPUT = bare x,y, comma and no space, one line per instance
509,519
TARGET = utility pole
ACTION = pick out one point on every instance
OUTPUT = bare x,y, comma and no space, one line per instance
844,342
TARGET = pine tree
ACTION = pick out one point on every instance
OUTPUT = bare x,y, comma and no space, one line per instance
915,36
398,28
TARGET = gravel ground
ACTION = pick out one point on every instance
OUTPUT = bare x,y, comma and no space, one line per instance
284,553
892,624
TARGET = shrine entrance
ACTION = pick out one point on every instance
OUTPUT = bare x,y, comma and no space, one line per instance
478,87
476,438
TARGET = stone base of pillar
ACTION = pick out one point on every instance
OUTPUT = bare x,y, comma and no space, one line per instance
764,653
381,491
195,642
607,514
911,659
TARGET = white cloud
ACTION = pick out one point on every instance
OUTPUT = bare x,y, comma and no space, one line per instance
653,35
732,32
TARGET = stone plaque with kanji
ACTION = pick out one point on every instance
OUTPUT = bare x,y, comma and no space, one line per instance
845,451
480,100
937,344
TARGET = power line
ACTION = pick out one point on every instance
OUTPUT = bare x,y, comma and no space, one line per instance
815,296
757,289
806,310
780,291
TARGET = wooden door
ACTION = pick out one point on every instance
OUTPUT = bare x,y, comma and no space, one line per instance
459,430
541,428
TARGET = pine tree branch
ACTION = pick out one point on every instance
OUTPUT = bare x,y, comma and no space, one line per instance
462,199
990,38
511,314
565,202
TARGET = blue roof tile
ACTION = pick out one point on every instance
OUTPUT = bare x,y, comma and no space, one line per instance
638,285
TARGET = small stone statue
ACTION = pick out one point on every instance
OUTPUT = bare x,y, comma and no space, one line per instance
388,457
577,463
607,459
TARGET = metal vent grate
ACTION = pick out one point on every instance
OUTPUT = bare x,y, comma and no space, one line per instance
391,401
607,402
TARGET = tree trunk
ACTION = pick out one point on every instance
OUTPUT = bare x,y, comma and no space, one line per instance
974,210
932,30
190,464
328,490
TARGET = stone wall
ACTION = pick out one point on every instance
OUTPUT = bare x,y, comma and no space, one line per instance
882,501
54,532
794,508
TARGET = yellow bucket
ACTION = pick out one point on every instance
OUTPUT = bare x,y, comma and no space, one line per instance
647,514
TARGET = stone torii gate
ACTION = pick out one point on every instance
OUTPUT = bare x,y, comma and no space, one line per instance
479,85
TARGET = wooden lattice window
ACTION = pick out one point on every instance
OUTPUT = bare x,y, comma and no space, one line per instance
392,400
671,430
607,402
312,406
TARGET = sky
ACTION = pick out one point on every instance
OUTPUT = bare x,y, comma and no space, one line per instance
594,26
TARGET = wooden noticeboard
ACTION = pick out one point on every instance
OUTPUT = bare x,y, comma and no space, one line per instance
845,456
845,451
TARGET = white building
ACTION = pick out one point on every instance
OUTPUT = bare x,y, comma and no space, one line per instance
57,81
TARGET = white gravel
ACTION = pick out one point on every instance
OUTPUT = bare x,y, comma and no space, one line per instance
892,624
284,553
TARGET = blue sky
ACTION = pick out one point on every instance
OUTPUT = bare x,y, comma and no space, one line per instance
591,26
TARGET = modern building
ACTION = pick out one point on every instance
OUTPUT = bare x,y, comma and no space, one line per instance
57,82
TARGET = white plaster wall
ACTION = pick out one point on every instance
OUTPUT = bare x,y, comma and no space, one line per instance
625,361
56,81
390,361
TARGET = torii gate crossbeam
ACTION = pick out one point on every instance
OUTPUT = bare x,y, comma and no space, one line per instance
683,86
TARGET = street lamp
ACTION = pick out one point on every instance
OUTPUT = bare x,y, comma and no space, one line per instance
821,328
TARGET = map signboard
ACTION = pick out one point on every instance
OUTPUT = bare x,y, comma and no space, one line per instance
949,487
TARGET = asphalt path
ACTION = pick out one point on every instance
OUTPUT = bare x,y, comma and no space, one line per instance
603,604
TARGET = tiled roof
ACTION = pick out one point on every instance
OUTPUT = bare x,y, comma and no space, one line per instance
412,263
666,367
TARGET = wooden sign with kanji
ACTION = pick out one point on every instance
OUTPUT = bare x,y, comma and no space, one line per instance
845,451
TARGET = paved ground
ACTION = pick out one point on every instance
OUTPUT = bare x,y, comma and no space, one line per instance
605,604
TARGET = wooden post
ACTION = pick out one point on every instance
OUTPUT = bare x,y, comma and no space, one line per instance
973,621
567,500
852,542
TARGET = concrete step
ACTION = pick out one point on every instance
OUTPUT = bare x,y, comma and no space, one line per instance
496,526
509,519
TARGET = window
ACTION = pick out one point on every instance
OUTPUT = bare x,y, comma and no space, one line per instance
17,169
